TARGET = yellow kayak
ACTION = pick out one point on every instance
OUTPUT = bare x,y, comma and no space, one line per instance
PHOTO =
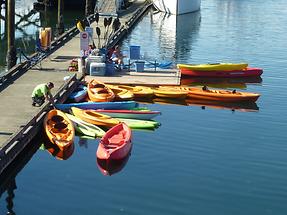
169,92
120,93
214,67
94,117
139,91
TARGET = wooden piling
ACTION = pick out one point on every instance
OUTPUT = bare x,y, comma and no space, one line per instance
11,54
89,7
60,24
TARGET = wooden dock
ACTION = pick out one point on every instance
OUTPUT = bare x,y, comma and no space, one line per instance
20,122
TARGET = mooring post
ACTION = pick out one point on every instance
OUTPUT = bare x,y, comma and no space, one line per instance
60,25
11,53
89,7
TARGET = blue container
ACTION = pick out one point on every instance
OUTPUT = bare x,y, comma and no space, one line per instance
135,52
110,69
139,66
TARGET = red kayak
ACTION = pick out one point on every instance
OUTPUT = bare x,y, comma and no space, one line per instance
116,143
228,73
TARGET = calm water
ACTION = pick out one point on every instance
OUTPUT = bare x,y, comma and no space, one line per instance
200,161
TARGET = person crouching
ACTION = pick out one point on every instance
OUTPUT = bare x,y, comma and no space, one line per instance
42,92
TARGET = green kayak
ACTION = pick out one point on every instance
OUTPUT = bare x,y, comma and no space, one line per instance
86,128
140,124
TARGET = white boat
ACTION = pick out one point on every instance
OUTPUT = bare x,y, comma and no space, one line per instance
177,6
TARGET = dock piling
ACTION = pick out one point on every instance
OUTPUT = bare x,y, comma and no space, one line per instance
12,53
60,24
89,7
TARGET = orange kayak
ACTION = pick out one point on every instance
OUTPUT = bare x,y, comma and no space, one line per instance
59,129
94,117
99,92
220,95
116,143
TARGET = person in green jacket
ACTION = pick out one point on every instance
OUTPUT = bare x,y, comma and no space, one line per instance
42,92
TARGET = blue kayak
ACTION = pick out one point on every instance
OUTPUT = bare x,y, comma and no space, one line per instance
125,105
79,94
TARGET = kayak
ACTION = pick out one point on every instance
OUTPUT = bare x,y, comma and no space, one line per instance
140,124
99,92
139,91
116,143
79,94
131,114
86,128
95,118
168,92
220,95
99,105
247,72
59,129
121,94
213,67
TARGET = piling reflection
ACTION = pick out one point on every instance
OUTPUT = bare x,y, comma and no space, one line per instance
241,106
110,167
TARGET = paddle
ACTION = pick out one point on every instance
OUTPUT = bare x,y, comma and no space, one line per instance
97,16
98,30
116,25
105,24
109,22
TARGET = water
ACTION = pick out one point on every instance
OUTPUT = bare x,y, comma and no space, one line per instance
28,25
200,161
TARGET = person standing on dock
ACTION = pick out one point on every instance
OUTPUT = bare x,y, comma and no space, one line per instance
42,92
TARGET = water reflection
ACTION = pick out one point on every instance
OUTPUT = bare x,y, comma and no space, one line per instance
110,167
10,191
176,33
240,106
56,152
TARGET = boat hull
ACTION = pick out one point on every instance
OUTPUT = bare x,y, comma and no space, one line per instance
59,129
86,128
116,143
177,7
99,105
220,95
248,72
130,114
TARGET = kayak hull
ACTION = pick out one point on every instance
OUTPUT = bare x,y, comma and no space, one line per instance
99,105
213,67
248,72
220,95
116,143
59,129
130,114
86,128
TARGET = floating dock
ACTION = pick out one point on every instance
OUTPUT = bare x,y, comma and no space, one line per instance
20,122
